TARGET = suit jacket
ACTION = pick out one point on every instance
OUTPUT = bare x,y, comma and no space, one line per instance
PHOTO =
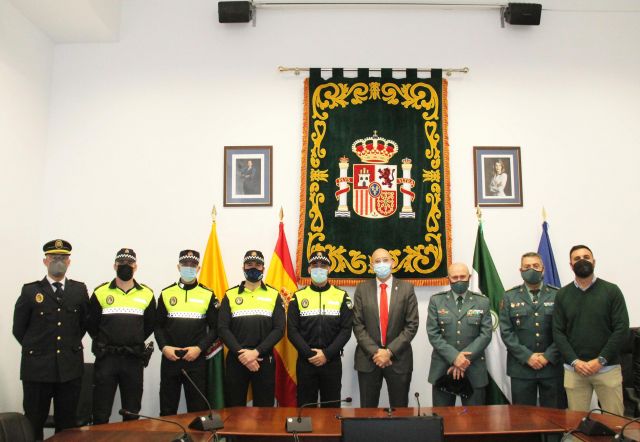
526,328
401,328
50,331
451,332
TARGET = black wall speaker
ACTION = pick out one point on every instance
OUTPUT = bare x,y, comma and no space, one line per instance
523,13
234,12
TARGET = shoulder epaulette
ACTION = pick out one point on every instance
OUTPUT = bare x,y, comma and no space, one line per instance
515,287
204,287
478,294
552,287
271,287
31,283
102,285
441,293
231,288
147,287
167,287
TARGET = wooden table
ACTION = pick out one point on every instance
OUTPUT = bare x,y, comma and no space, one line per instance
486,423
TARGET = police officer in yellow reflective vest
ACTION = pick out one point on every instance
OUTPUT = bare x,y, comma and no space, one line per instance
250,322
319,321
186,322
122,316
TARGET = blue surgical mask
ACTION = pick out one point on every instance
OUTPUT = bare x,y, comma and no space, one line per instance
319,275
188,274
382,269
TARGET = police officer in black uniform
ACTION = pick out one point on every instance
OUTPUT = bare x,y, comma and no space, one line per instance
250,322
122,316
319,321
186,322
49,321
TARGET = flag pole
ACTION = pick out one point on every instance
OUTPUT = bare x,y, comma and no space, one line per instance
281,214
544,214
213,214
479,213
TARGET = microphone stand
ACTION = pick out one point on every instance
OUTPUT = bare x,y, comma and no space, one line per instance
594,428
303,424
212,422
184,437
417,395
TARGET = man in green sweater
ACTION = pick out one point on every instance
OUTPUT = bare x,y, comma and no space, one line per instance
590,325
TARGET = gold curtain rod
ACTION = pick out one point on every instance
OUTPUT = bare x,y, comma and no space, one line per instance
447,71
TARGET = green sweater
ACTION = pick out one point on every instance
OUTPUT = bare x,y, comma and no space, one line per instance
591,323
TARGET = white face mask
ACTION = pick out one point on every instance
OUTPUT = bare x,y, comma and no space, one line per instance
382,269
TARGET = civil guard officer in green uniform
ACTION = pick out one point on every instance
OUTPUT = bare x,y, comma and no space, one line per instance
186,326
459,329
49,321
534,362
319,321
122,316
251,322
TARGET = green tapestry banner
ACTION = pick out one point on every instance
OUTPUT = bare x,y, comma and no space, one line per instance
375,174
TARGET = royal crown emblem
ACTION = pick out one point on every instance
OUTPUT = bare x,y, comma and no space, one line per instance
375,181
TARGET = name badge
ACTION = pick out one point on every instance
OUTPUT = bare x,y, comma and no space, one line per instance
197,301
140,300
548,304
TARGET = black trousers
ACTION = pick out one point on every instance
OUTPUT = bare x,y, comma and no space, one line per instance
371,383
326,380
111,372
37,401
551,390
172,380
442,399
237,379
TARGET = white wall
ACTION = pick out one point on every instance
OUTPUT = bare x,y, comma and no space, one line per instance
25,82
139,128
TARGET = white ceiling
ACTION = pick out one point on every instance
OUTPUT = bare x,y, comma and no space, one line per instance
74,21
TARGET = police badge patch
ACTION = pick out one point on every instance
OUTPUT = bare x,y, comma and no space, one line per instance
39,298
110,299
173,301
305,303
239,300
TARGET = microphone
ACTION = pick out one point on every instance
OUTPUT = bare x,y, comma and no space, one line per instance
212,422
417,395
303,424
184,437
594,428
621,437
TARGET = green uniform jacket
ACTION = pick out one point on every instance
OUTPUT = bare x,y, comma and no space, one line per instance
451,332
526,328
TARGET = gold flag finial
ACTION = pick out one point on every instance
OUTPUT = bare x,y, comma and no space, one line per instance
281,213
479,213
213,214
544,214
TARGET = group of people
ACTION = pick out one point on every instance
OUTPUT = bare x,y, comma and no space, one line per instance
557,340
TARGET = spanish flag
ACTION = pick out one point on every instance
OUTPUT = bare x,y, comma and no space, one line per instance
213,276
281,276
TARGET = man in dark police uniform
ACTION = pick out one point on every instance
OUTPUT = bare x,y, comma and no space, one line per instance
49,322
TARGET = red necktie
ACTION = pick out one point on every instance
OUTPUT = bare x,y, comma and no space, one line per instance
384,314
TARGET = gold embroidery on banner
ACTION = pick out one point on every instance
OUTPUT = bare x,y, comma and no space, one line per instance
421,258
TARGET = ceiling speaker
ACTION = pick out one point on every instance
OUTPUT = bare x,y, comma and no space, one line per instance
522,13
234,12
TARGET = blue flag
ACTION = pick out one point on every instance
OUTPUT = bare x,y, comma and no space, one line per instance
551,276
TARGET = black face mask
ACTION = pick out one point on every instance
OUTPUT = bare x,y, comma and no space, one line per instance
583,268
253,275
124,272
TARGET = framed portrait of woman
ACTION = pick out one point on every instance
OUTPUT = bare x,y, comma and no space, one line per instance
497,176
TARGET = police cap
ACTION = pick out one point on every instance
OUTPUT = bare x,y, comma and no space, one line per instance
126,255
321,257
189,255
255,256
57,247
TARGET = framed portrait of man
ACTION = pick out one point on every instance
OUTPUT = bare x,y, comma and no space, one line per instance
497,176
248,175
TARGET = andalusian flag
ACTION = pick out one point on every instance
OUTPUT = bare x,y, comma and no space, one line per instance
551,275
213,276
486,280
281,276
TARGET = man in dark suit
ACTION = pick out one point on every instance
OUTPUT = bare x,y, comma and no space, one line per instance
49,322
385,321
